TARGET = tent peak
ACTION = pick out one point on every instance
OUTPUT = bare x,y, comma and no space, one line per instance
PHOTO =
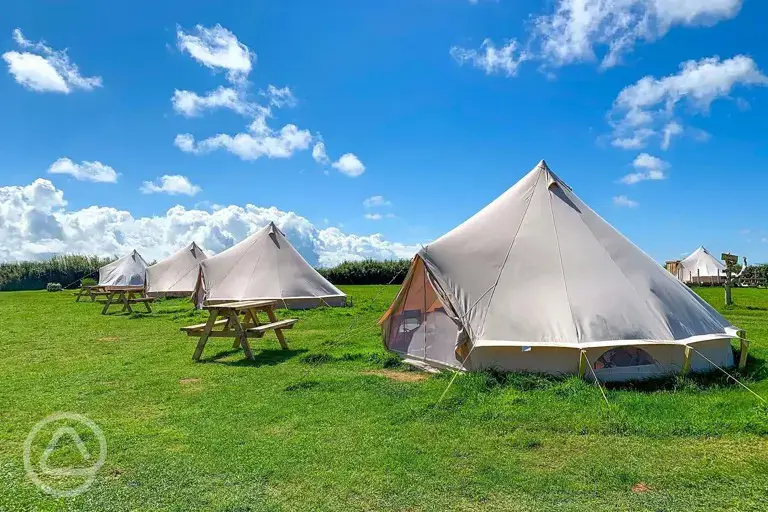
543,165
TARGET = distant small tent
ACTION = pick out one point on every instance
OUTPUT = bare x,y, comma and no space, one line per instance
537,281
176,275
700,267
265,266
127,271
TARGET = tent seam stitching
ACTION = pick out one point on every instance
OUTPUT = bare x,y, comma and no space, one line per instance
509,251
562,267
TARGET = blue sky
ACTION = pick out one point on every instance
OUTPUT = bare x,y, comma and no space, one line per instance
441,122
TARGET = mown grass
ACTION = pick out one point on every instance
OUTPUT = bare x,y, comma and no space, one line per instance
336,423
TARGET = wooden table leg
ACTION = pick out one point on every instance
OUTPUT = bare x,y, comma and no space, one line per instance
126,304
278,332
77,299
213,314
241,334
108,302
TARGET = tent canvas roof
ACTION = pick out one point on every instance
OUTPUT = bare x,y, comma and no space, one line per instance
265,266
126,271
538,267
176,274
700,263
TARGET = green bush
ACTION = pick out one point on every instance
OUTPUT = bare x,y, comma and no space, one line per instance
34,275
53,287
367,272
88,281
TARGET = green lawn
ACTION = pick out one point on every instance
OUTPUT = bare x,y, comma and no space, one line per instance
336,424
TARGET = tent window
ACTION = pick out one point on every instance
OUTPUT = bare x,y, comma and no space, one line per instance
622,357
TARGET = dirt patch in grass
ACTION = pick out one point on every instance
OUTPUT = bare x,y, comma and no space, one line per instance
640,487
398,376
109,338
191,380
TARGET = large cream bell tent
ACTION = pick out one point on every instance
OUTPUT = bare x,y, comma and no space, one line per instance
176,275
126,271
537,281
265,266
700,267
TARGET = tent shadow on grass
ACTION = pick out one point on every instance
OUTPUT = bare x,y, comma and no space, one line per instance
264,357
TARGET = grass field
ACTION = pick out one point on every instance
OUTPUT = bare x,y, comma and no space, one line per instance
336,424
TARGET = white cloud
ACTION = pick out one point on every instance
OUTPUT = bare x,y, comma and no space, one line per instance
171,184
373,216
251,145
349,164
280,97
489,58
319,154
647,107
636,140
624,201
190,104
375,201
217,48
35,224
44,69
649,168
85,171
578,29
670,130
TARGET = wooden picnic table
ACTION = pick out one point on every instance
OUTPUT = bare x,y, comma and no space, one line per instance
90,291
126,295
227,315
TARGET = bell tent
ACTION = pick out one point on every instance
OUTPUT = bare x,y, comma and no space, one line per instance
537,281
265,266
701,268
176,275
127,271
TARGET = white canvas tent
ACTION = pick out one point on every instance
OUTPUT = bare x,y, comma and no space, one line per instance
176,275
127,271
537,281
701,267
265,266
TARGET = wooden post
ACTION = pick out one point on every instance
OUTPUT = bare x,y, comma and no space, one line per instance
582,363
744,349
686,361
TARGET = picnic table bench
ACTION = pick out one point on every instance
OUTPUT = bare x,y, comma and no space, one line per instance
90,291
126,295
227,315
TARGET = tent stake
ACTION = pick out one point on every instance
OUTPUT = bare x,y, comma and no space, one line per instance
744,349
686,361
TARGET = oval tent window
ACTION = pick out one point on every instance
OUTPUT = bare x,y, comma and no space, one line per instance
622,357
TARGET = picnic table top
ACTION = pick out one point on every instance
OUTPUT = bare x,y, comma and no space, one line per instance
242,304
122,288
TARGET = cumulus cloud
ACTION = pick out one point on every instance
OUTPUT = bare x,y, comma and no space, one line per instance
35,224
280,96
217,48
191,104
625,202
349,164
375,201
319,154
43,69
252,145
578,29
648,168
85,171
647,107
492,59
671,130
173,184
